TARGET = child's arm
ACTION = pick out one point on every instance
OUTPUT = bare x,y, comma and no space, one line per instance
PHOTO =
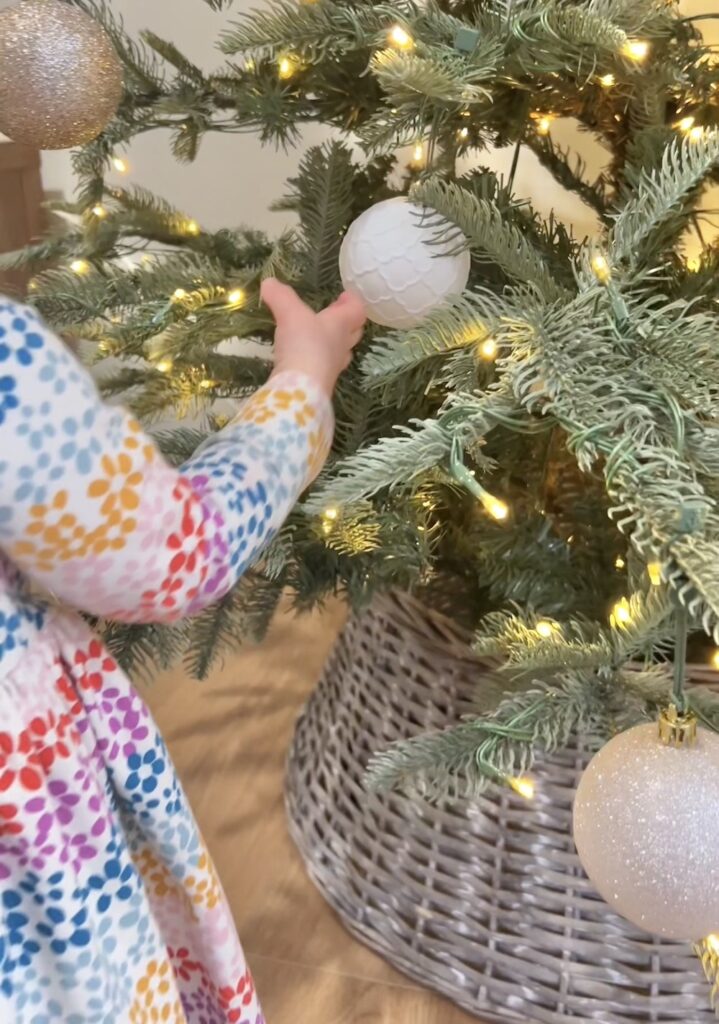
90,509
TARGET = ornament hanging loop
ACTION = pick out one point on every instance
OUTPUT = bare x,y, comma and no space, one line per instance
679,697
677,724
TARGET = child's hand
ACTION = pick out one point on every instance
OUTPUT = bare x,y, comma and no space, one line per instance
317,344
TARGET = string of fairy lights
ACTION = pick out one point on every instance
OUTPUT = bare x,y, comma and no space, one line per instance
486,347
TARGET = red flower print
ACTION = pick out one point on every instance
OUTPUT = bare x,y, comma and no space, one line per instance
93,664
30,756
188,969
186,548
13,763
8,826
49,738
66,688
236,1000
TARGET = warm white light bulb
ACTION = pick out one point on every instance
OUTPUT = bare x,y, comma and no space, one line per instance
286,67
192,227
179,294
99,211
621,615
79,266
546,628
654,571
619,562
164,365
685,124
524,786
543,125
694,264
601,268
463,133
488,349
120,165
330,514
236,297
400,38
607,81
418,154
496,508
636,49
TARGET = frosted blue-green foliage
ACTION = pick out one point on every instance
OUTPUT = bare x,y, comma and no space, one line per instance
596,422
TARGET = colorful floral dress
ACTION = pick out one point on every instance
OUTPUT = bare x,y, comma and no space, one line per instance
111,912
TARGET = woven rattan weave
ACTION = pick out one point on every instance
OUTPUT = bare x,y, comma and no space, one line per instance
486,903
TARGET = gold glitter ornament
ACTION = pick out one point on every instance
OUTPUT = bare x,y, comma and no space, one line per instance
60,77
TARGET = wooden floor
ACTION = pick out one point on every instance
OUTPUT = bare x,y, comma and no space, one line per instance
228,737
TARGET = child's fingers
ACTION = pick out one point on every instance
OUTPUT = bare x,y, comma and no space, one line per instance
284,302
347,314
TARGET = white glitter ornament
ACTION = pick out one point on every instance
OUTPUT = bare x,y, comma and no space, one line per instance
386,260
60,78
646,827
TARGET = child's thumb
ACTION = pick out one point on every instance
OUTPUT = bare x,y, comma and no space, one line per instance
283,301
347,313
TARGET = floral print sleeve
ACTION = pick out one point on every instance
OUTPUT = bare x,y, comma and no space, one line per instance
91,511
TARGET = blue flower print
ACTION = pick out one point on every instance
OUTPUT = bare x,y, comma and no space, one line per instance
37,427
33,487
60,370
63,920
20,946
54,372
117,881
24,349
174,803
8,400
82,448
136,921
229,473
238,546
7,512
10,625
145,771
115,428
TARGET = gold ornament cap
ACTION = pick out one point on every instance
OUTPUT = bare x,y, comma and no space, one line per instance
677,728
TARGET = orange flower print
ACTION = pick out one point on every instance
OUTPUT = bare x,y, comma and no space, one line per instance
204,887
156,875
318,452
54,535
283,399
256,410
135,442
156,997
263,406
118,487
305,414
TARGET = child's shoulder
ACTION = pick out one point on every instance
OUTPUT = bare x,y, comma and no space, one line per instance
21,333
10,308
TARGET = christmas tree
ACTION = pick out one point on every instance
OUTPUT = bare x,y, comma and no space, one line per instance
538,456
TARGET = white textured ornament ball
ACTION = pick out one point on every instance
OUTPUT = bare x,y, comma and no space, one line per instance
386,260
60,78
646,827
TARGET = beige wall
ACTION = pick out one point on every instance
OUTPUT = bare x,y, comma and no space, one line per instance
234,178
